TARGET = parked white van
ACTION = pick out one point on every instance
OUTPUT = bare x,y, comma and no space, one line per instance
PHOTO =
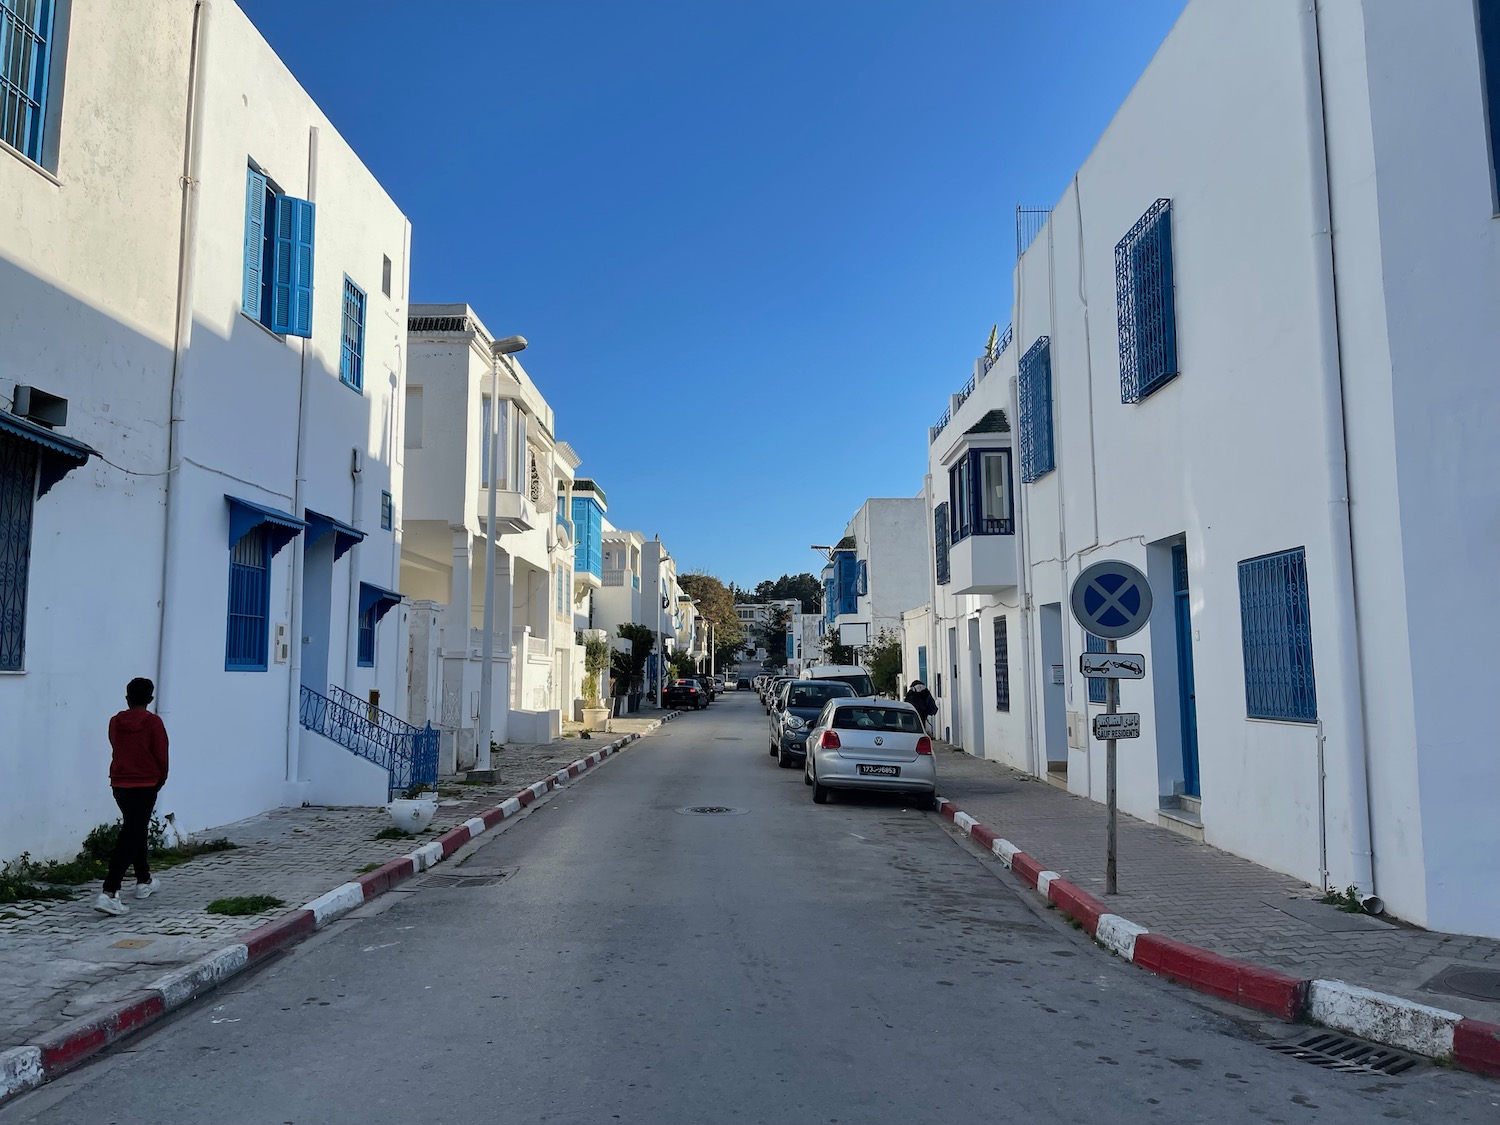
851,674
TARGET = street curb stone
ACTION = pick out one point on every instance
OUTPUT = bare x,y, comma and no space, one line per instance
1376,1016
29,1065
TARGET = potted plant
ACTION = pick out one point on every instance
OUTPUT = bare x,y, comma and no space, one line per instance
414,809
595,661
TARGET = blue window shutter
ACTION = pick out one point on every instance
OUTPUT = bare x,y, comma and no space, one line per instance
255,237
292,265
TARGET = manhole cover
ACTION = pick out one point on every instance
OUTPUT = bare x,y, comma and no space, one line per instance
1460,980
465,879
711,810
1339,1052
132,943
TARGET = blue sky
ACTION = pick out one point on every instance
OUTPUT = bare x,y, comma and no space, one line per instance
754,246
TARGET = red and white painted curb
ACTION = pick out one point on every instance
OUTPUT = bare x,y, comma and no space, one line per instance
1377,1016
63,1048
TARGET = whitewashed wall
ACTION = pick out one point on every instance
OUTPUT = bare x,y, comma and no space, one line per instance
88,276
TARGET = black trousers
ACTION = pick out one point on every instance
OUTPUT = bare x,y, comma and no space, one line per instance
136,807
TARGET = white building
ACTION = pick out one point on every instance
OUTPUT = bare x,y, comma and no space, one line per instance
877,570
449,404
197,262
1286,430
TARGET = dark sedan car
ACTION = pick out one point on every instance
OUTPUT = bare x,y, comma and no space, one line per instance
685,694
805,700
744,684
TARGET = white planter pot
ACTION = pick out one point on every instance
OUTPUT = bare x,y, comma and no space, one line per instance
412,815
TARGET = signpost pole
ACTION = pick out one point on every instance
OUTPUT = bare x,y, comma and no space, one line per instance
1111,706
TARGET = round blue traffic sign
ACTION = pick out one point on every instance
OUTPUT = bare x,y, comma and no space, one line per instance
1111,599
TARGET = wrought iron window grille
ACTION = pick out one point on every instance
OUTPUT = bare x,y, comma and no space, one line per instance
1144,296
1038,457
940,542
1276,630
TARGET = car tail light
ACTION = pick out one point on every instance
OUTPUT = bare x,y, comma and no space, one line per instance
829,741
924,745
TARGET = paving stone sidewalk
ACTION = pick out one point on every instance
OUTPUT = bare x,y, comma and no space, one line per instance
59,960
1209,898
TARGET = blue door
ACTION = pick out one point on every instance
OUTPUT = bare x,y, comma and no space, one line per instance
1182,607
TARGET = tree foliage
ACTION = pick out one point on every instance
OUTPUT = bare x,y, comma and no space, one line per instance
883,661
716,604
771,636
629,669
833,651
806,588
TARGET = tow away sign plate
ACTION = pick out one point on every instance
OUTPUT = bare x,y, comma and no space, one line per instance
1112,665
1126,724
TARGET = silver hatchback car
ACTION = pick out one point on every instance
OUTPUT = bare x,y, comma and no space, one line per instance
874,744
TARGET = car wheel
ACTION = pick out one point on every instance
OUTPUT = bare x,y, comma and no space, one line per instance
922,802
806,777
782,760
820,794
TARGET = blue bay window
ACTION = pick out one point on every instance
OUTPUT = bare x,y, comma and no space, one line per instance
278,277
1276,631
1488,12
1035,387
1143,294
846,574
980,495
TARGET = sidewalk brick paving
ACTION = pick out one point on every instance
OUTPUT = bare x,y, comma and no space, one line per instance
1198,894
59,960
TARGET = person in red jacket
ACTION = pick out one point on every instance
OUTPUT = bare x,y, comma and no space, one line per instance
137,771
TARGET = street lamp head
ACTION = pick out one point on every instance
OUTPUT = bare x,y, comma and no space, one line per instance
508,346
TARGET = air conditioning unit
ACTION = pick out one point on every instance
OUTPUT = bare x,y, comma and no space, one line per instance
39,407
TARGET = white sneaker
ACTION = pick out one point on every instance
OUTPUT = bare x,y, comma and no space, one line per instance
146,890
110,904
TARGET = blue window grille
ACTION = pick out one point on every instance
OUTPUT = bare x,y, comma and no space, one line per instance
278,276
352,350
1277,634
1489,50
249,602
1098,689
367,623
1035,385
922,663
1143,294
1002,665
25,65
862,583
387,511
830,600
940,542
18,477
588,542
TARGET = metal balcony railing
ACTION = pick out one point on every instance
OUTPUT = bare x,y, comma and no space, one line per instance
408,755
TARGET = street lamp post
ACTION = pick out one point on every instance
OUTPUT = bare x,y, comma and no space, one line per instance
498,349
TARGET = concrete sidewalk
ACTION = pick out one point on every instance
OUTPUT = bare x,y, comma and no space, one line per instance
1205,897
60,960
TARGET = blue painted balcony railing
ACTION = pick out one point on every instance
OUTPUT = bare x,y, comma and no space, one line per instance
408,754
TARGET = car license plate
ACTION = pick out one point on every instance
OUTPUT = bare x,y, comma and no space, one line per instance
881,771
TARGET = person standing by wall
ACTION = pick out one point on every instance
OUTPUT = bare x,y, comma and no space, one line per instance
137,771
920,698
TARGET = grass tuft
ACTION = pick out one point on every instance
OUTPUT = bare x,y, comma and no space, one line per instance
243,904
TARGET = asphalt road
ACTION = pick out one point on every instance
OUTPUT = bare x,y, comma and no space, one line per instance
782,962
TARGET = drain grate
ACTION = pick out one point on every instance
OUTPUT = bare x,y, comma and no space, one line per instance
1339,1052
709,810
462,879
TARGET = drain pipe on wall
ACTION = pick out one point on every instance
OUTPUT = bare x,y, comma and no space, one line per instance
1344,600
356,519
186,276
299,499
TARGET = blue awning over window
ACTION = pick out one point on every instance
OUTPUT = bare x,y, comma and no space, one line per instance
373,597
59,455
246,515
319,525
